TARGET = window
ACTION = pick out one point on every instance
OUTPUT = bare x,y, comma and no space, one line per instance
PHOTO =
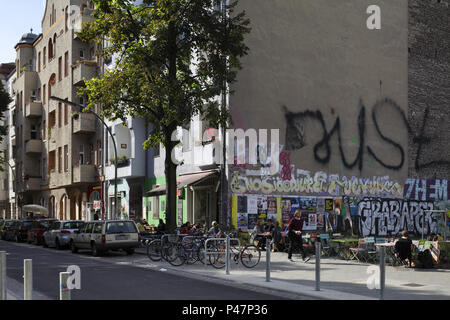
59,69
155,210
121,227
66,13
66,114
43,93
66,158
39,62
45,57
81,53
60,111
98,228
33,132
50,50
89,228
82,154
66,64
51,161
59,159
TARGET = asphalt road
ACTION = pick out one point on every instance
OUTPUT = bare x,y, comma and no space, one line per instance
115,276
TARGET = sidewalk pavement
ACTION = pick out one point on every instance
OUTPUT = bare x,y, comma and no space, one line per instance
340,279
15,291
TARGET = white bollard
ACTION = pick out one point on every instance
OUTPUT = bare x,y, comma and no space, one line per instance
2,275
64,291
28,279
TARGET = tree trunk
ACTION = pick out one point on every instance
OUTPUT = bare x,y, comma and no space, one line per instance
171,184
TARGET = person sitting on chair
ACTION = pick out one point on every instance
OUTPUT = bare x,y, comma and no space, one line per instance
260,234
403,248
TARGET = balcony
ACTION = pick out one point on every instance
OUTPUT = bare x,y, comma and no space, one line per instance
84,123
84,69
33,147
32,184
80,20
33,110
84,173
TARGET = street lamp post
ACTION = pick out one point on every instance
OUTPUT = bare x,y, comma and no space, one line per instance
16,205
65,101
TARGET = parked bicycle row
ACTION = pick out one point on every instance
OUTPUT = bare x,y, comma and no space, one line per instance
179,249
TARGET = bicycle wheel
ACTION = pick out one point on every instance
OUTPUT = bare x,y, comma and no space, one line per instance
202,253
250,256
217,258
176,255
191,253
154,250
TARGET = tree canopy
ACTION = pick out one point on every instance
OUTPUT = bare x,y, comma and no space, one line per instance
172,59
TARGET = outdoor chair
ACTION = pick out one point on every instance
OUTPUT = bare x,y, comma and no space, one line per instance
325,244
359,253
372,253
307,246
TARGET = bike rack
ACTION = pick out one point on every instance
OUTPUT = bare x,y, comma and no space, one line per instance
210,252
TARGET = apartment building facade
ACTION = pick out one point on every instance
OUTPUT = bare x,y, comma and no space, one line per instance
6,71
58,149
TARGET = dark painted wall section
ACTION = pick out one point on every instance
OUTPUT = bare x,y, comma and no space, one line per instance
429,88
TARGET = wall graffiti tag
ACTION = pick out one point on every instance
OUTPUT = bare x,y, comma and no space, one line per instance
318,183
426,189
388,217
296,136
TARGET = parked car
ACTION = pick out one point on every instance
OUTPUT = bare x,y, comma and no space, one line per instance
101,236
58,234
7,224
18,231
37,230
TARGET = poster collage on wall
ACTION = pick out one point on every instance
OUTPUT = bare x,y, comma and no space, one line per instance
318,213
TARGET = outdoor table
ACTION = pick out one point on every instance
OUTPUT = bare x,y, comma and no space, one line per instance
344,246
390,252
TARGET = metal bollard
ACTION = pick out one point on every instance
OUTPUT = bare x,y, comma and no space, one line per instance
227,260
28,279
317,265
64,291
2,275
382,271
267,260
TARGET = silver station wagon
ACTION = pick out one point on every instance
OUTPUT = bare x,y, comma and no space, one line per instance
101,236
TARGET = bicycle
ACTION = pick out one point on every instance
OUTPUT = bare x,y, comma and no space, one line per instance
249,255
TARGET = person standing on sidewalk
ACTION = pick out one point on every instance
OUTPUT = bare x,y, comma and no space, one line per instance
295,235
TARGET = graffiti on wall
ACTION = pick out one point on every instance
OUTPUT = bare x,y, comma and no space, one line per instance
318,183
388,217
426,189
296,136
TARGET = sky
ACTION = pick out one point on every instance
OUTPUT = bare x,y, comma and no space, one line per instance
17,17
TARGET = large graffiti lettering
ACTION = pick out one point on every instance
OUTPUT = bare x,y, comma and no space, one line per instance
319,184
296,136
388,217
427,189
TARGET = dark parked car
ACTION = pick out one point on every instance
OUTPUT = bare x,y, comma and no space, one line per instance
18,231
35,234
7,224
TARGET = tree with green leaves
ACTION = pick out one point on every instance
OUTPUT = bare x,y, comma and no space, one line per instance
172,60
5,100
